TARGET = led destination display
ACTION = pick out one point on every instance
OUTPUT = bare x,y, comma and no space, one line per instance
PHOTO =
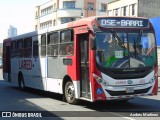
123,23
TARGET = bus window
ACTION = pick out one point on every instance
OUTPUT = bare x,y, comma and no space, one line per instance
20,48
66,43
52,44
43,45
27,47
13,49
35,49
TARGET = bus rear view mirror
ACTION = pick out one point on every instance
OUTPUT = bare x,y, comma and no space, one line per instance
92,43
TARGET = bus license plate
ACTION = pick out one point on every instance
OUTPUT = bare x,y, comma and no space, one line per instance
129,89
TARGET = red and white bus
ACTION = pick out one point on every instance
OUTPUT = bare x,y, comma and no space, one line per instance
96,58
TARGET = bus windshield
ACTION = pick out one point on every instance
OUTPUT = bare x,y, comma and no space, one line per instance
125,49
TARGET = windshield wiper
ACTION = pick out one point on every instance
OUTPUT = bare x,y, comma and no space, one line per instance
139,36
138,40
121,44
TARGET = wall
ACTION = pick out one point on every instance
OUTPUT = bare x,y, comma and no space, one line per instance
148,8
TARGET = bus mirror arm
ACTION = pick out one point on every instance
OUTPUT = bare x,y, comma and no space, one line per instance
92,43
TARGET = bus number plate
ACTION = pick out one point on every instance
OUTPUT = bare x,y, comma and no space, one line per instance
129,89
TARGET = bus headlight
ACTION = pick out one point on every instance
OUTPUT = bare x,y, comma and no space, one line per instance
100,80
152,80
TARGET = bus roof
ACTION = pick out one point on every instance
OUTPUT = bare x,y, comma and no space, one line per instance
34,33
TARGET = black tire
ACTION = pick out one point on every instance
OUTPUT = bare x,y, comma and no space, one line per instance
70,93
21,82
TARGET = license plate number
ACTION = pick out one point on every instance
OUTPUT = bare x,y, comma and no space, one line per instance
129,89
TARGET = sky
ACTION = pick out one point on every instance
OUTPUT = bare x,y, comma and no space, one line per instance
18,13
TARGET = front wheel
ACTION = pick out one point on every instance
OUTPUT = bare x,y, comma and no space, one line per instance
70,93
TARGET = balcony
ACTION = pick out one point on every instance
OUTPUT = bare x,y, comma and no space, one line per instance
73,12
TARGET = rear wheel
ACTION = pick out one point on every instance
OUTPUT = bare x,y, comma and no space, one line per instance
70,93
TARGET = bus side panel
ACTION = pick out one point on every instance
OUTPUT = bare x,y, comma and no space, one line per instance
56,71
14,70
155,89
73,69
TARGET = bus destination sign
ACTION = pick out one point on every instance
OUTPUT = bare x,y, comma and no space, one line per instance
123,23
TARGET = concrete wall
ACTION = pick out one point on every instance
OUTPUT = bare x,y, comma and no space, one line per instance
148,8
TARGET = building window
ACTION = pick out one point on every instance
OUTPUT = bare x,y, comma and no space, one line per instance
54,22
116,12
103,7
55,6
110,13
133,9
68,4
66,20
36,15
90,6
46,24
36,28
47,10
124,10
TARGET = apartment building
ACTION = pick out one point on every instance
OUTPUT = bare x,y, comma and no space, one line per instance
137,8
57,12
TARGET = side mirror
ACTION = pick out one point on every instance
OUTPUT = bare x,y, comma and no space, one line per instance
92,43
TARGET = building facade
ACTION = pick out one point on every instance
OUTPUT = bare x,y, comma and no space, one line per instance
12,31
136,8
57,12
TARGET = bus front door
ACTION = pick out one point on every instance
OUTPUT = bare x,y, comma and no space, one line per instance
84,66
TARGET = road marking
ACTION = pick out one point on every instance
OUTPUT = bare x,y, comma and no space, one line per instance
122,116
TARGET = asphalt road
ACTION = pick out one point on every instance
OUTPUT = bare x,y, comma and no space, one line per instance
13,99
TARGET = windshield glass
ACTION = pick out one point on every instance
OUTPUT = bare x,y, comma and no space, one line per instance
124,49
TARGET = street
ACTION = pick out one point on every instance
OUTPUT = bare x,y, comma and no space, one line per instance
14,99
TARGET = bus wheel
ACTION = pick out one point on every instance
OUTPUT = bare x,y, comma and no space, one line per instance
21,82
70,93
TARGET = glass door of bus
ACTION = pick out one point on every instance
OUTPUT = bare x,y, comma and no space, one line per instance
84,66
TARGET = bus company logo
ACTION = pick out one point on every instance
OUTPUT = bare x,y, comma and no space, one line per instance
130,82
121,82
25,64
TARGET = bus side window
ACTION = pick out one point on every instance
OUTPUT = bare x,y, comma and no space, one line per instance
52,44
66,43
43,45
35,49
20,48
13,49
28,47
